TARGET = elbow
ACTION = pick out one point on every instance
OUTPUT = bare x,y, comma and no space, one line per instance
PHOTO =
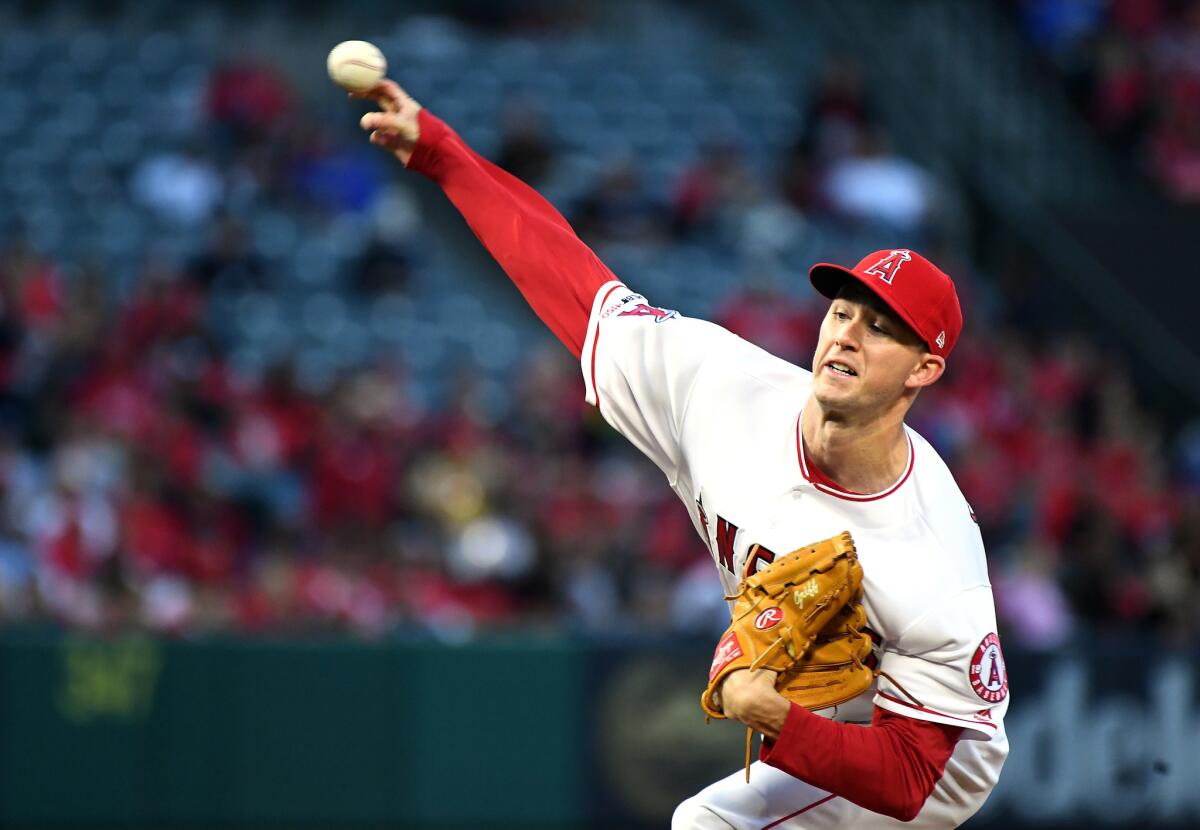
905,812
902,801
905,808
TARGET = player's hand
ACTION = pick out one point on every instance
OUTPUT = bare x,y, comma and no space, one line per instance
749,697
395,127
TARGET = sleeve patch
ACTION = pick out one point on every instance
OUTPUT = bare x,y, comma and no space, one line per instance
643,310
635,305
989,677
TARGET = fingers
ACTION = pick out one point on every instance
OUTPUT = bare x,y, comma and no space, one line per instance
384,124
390,95
377,121
387,94
384,138
385,104
394,126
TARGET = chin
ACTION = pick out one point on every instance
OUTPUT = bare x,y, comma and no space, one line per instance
832,400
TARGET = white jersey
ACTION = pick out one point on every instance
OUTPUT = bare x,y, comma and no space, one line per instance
721,418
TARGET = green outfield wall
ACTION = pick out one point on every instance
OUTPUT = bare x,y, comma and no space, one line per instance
141,732
507,732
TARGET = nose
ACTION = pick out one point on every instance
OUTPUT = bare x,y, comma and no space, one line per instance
846,335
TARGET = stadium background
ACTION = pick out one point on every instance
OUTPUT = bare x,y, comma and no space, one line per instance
303,521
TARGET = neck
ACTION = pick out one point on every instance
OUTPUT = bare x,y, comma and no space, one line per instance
861,456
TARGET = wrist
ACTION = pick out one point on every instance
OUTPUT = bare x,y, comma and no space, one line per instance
424,157
769,711
749,697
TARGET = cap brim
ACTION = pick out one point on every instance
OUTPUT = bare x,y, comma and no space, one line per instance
829,278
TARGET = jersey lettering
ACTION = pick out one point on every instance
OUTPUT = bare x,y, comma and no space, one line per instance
876,646
726,534
887,268
761,558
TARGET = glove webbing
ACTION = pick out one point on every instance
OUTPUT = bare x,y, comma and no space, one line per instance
813,611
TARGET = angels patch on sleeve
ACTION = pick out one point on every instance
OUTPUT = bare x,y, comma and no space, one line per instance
988,676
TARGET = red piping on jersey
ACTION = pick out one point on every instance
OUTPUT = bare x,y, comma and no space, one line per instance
798,812
891,699
596,343
817,476
846,494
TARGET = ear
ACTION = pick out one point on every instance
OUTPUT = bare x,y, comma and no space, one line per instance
926,372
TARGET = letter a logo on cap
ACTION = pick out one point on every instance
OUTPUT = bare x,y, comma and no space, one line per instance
887,267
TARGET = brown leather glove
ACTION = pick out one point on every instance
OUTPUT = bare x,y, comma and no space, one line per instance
802,618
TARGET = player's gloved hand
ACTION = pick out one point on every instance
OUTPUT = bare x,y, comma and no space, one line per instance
801,617
396,127
749,697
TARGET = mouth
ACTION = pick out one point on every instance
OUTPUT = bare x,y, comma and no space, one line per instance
839,369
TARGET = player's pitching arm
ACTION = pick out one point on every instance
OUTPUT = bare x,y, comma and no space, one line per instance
645,372
556,272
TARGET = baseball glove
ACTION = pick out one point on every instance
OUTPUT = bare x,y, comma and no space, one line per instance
802,618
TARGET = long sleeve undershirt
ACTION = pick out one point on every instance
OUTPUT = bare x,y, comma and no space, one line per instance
556,272
889,767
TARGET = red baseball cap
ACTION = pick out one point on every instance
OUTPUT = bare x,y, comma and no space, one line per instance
912,286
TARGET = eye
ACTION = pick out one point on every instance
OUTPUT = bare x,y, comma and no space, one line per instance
838,314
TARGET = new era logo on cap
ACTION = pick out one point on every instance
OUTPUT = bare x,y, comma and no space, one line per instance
912,286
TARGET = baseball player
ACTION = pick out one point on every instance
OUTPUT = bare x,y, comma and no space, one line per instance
768,457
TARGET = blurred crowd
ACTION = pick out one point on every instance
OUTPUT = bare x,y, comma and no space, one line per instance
1133,68
146,481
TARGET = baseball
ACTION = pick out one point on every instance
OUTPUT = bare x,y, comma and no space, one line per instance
356,65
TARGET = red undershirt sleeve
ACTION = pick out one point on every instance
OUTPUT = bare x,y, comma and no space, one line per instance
558,275
889,767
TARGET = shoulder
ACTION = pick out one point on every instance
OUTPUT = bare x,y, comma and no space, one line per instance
740,363
939,498
628,316
945,513
742,389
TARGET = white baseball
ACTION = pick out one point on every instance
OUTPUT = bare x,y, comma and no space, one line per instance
356,65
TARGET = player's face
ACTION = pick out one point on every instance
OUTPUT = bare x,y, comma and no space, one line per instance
867,358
